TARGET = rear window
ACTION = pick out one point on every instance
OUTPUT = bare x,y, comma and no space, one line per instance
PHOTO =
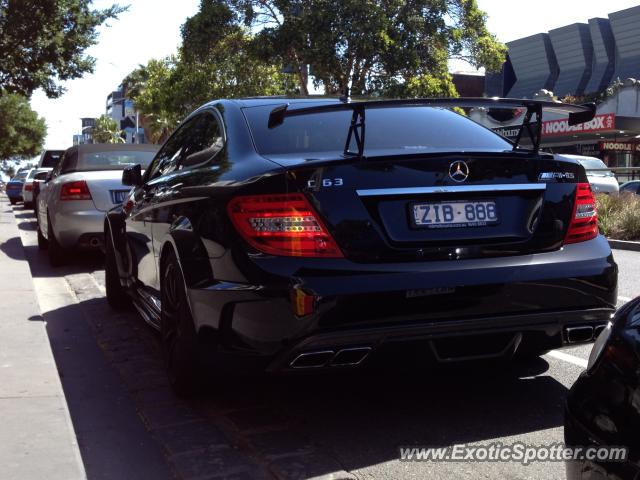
21,175
592,164
114,160
51,158
388,131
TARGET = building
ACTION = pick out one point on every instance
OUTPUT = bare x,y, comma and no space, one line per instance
123,111
597,60
86,131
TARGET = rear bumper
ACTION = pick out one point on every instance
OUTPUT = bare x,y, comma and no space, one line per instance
79,227
522,299
14,193
27,196
451,340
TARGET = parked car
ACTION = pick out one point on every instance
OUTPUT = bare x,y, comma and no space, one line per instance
49,158
39,179
603,406
85,184
27,186
268,231
13,189
632,186
601,178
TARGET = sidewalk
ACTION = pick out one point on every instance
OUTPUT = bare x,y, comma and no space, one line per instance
37,439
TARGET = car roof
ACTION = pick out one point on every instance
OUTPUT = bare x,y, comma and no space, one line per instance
245,102
113,147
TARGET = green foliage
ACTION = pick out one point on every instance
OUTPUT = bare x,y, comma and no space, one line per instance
215,61
8,170
43,42
619,216
22,131
234,48
373,46
107,130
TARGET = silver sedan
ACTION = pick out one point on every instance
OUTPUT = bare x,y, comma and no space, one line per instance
86,183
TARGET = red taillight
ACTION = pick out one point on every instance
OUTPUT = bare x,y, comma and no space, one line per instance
28,187
584,220
75,191
282,225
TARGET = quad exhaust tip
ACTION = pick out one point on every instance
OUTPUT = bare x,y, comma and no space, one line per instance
598,330
350,357
579,334
346,357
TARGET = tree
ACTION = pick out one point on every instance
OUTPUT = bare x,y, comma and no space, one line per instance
22,131
371,45
107,130
8,170
43,42
215,60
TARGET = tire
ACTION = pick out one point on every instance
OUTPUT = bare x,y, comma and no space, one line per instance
43,243
13,201
116,294
180,344
57,254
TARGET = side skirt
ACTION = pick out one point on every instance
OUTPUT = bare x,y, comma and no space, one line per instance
149,307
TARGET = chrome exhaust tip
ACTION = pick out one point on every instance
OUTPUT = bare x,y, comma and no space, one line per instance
312,359
597,330
579,334
350,357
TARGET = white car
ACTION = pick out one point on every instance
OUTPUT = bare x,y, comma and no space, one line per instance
82,187
602,179
27,186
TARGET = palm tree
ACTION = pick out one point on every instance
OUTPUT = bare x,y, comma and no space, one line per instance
107,131
159,127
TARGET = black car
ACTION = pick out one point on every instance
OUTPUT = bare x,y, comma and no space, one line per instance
273,234
603,406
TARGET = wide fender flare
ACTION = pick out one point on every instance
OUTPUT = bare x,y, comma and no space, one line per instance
114,230
190,251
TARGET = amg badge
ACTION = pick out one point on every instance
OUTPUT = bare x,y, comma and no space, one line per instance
556,175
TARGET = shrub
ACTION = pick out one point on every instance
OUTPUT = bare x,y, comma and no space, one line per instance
619,216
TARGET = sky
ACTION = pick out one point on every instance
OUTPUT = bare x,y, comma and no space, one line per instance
151,29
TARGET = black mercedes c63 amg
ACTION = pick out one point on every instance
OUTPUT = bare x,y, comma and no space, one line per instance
282,235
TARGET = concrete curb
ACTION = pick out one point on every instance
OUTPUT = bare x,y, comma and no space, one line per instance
37,438
624,245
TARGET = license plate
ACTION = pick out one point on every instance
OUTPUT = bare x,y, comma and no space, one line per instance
119,196
454,214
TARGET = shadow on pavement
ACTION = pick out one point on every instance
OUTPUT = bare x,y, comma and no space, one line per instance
12,248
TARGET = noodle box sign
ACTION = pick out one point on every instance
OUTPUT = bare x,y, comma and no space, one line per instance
619,147
604,121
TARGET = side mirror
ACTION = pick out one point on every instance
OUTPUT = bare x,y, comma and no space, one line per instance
132,176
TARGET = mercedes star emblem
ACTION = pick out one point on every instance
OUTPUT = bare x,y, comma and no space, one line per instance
459,171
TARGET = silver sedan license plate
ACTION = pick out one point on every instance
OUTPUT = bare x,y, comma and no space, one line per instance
454,214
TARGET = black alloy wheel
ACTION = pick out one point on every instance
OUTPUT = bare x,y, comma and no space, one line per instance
179,339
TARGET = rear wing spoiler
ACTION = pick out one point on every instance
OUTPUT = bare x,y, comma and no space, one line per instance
577,114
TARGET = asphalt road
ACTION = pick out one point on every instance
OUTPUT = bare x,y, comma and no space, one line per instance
130,425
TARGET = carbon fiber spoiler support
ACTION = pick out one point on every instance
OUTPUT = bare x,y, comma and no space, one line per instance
577,114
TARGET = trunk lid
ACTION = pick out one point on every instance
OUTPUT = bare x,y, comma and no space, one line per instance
106,188
374,207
